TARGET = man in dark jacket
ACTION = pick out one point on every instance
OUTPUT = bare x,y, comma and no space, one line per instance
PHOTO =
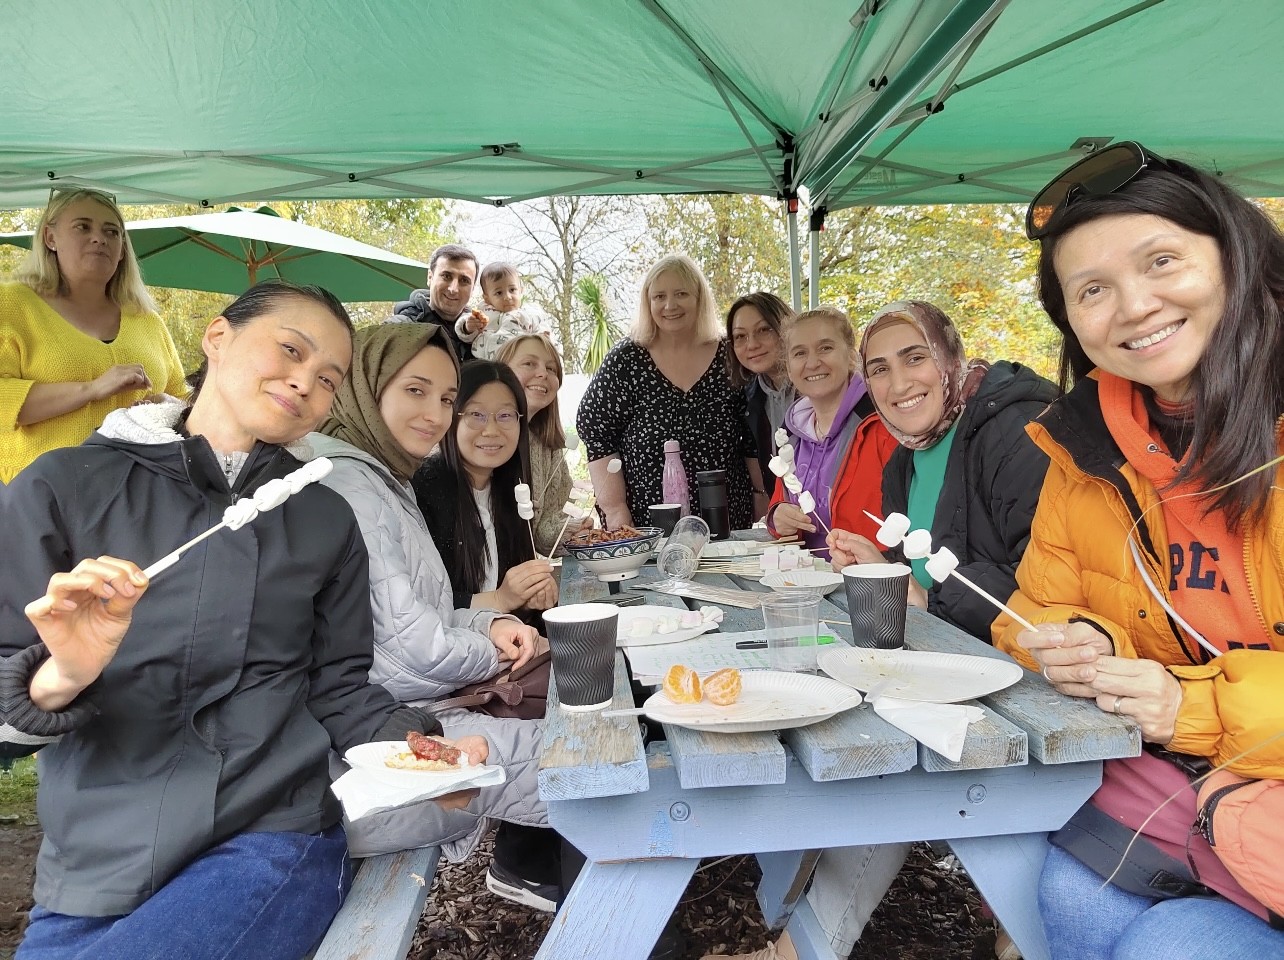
452,271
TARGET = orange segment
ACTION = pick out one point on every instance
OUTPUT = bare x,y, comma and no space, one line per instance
722,687
682,684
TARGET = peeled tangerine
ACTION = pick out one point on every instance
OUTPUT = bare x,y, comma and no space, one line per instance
722,687
682,684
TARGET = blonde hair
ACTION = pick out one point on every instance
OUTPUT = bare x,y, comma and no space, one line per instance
708,326
832,314
39,270
546,426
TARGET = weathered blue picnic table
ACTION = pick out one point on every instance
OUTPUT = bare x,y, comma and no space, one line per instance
645,817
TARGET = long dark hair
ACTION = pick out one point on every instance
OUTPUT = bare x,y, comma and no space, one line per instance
260,299
1232,435
512,538
774,310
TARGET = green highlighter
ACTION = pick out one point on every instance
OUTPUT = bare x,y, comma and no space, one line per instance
802,642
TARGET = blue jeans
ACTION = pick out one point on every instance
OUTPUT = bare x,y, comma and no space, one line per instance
1085,921
257,896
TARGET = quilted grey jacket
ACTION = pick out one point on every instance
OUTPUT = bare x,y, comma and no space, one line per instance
424,648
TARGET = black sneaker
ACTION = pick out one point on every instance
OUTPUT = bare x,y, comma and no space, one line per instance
504,883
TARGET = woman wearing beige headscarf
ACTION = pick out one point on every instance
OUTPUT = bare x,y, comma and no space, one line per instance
393,408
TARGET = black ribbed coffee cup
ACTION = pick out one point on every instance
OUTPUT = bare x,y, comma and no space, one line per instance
877,594
581,638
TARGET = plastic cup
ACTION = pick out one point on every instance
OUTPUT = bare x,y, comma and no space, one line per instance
877,594
792,621
581,639
680,554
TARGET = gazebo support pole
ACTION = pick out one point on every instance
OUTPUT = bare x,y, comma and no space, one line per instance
816,224
795,255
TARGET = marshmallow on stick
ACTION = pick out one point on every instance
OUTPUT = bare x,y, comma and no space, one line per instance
583,493
526,511
272,494
941,565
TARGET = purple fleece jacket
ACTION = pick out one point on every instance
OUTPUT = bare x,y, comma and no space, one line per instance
817,461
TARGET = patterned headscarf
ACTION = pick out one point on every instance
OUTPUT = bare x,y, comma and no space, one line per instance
960,378
378,353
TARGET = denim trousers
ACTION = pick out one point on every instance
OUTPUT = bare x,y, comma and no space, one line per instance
257,896
1084,919
847,886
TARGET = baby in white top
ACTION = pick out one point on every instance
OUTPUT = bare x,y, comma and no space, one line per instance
502,318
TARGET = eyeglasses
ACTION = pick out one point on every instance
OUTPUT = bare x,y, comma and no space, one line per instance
477,419
1104,172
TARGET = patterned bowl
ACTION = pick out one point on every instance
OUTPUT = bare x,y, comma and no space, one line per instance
618,559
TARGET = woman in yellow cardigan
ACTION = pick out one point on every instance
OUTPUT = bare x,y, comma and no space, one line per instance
79,334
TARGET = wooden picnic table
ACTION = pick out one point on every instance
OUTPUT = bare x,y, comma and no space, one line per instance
645,817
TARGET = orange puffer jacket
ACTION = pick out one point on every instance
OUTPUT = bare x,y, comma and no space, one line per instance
1078,564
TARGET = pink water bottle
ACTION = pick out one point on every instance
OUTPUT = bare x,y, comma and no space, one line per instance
676,489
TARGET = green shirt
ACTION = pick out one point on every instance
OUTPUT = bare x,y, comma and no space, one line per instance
926,480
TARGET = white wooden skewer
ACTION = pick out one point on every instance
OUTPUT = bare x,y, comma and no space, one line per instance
170,559
972,586
588,506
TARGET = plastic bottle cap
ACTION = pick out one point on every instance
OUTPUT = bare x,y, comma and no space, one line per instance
671,446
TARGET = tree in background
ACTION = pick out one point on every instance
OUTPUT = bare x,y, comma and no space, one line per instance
595,318
556,241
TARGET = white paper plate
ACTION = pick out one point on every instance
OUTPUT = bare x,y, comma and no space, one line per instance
655,614
824,581
768,701
369,757
915,675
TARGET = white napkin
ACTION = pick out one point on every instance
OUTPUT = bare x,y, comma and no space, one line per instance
939,726
363,792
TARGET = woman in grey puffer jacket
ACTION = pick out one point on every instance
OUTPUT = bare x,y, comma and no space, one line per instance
387,415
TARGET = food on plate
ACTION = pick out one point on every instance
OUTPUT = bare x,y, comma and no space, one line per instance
722,687
593,538
682,684
641,627
425,753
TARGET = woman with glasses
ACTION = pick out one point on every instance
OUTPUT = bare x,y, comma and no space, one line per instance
79,334
539,370
668,381
1156,561
466,493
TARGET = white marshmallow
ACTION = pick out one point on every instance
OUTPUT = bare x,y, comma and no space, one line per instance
712,614
572,511
792,483
917,544
777,466
787,453
893,530
641,627
941,564
271,494
769,562
806,502
739,549
526,511
240,513
666,625
312,471
522,493
691,618
583,486
782,437
615,465
788,560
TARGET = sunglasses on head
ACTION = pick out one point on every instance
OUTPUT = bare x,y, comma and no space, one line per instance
1109,169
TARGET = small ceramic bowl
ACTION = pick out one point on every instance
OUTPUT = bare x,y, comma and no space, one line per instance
617,559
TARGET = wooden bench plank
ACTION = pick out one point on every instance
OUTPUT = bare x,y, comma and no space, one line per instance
991,741
588,755
725,759
856,743
377,921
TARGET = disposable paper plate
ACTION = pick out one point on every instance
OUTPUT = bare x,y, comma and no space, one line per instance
919,675
656,614
823,581
369,757
769,700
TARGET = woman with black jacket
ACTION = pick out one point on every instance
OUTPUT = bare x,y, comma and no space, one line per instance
185,801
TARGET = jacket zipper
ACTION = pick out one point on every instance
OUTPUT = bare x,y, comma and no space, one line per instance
1204,821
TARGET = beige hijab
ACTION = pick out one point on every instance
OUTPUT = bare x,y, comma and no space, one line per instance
378,353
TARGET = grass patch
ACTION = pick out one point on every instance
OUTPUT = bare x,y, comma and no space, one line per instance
18,789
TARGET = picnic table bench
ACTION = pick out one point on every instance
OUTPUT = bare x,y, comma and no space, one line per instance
645,817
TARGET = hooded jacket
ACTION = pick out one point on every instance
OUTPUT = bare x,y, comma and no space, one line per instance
992,482
1079,565
817,459
424,647
245,662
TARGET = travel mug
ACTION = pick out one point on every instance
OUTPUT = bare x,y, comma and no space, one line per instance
713,503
